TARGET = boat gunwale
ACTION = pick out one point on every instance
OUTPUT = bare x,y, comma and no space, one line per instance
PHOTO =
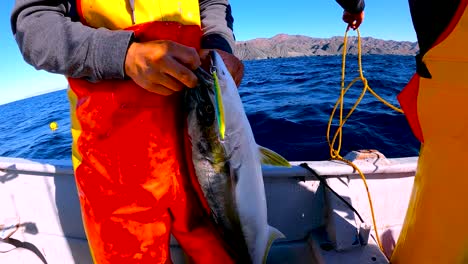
398,167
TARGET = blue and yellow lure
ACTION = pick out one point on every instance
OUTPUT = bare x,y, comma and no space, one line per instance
219,107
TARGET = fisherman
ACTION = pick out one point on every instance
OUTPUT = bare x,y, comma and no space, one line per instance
125,63
434,102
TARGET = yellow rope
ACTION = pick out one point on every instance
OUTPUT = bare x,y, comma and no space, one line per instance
335,153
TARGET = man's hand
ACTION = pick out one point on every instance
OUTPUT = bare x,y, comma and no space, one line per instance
353,20
233,64
162,67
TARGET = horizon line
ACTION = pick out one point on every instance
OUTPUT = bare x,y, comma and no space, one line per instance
337,36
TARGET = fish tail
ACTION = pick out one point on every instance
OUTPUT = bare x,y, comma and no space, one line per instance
273,234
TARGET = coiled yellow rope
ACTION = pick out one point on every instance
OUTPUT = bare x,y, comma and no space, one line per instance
335,153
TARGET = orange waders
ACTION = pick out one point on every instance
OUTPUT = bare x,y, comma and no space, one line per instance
435,228
128,152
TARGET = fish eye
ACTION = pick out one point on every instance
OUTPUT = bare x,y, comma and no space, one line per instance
209,109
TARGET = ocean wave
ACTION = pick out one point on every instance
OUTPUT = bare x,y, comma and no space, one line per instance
288,103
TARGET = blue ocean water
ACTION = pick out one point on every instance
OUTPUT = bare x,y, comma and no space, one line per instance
288,102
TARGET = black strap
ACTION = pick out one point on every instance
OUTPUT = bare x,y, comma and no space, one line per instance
324,182
26,245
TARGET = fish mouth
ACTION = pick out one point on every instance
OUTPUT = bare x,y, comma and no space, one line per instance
208,94
198,99
204,77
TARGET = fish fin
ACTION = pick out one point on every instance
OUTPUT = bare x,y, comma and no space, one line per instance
269,157
273,234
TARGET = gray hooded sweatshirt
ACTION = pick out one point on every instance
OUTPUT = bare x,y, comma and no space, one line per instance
51,38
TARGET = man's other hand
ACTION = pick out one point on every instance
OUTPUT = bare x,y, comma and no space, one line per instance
353,20
233,64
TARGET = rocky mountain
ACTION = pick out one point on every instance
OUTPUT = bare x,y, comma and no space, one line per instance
283,45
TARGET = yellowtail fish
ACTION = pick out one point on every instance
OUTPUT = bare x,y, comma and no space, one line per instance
227,164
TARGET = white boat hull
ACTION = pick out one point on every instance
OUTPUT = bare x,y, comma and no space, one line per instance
40,196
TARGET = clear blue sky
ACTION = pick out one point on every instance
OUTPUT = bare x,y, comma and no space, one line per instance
253,18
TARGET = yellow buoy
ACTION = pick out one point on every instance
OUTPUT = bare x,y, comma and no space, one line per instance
53,126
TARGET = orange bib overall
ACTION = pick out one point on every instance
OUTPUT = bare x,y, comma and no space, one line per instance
128,152
435,228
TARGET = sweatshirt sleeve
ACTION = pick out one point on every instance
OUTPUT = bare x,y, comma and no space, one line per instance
49,40
352,6
217,24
